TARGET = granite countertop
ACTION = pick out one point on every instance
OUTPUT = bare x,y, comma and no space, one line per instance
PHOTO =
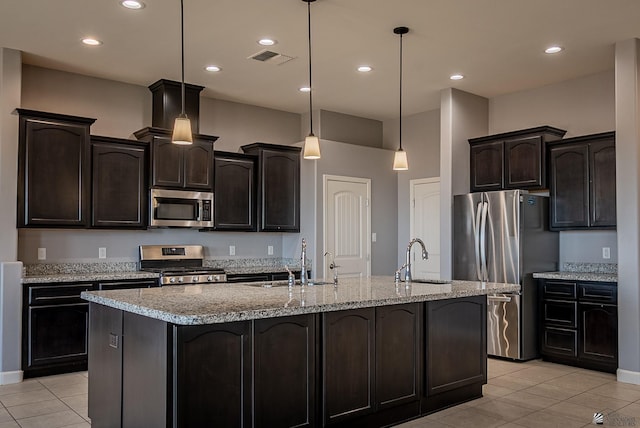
583,271
81,277
578,276
219,303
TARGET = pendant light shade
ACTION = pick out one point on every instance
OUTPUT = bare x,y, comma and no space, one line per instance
400,162
311,147
311,142
182,131
182,126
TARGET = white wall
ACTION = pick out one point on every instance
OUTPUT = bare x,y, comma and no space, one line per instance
421,141
580,106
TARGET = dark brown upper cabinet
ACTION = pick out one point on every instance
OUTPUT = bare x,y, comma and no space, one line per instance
179,167
512,160
53,170
278,186
119,183
235,192
167,103
583,182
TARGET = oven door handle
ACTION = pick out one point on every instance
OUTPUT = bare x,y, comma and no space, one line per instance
496,299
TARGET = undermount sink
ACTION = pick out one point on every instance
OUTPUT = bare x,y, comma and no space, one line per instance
431,281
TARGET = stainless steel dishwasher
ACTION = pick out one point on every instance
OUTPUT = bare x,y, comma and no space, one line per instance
503,325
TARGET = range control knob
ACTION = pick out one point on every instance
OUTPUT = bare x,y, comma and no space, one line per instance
210,278
217,278
172,280
194,279
181,279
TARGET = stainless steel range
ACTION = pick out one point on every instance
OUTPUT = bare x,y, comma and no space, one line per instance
179,264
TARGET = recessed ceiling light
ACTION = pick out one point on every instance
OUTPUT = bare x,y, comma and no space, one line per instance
267,42
553,49
456,77
305,89
212,68
364,69
91,42
132,4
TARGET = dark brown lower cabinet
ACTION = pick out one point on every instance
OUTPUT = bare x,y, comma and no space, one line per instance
362,367
284,372
456,353
213,375
55,328
579,323
348,367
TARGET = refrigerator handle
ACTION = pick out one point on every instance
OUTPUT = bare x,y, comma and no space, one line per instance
476,238
483,241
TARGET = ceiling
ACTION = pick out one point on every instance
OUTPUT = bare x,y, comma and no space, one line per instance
498,45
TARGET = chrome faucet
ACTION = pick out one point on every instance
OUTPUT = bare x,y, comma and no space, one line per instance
303,264
425,256
334,267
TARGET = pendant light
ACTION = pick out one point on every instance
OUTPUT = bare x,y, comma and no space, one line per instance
182,126
311,142
400,159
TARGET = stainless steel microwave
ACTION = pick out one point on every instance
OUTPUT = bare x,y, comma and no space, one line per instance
181,208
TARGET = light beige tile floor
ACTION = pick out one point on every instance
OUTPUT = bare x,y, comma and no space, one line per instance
532,394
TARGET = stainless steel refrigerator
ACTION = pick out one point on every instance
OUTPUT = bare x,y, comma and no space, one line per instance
504,237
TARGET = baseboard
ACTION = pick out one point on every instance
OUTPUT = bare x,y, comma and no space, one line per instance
10,377
627,376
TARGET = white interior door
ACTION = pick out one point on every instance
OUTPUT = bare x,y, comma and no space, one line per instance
347,225
425,224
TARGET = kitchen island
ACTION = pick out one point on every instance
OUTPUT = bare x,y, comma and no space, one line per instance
369,352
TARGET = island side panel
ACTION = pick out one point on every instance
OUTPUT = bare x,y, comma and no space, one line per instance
105,366
456,351
144,372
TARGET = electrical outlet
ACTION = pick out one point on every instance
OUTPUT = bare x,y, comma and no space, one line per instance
606,252
270,250
232,250
42,254
374,237
102,253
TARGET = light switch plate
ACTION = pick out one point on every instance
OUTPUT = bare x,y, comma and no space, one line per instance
42,254
606,252
102,253
232,250
270,250
374,237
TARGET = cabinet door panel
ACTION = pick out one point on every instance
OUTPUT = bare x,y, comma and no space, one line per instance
235,198
569,186
281,191
560,313
398,341
487,166
198,166
599,332
523,163
119,186
348,364
168,163
54,172
603,184
57,334
214,375
284,372
456,353
561,342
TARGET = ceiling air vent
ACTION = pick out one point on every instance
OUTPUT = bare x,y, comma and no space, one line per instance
271,57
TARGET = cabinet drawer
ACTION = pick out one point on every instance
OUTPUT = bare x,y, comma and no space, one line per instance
57,294
123,285
601,293
560,341
559,289
560,313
